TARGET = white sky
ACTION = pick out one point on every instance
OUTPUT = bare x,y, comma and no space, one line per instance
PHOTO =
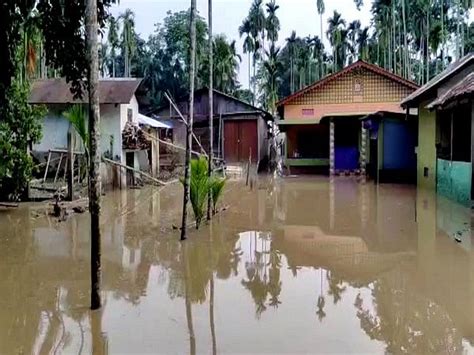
298,15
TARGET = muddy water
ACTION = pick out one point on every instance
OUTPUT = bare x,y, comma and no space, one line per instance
301,265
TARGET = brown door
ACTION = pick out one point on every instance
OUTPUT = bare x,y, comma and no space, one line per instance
240,139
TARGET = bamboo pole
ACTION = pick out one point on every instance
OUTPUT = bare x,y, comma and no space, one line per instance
47,166
185,122
70,175
162,183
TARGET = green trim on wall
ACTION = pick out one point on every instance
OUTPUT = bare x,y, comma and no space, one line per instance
298,122
454,180
307,162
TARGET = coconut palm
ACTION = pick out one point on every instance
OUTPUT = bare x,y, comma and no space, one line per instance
353,36
363,43
226,61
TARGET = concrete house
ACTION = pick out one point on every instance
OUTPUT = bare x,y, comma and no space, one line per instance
324,129
119,113
445,152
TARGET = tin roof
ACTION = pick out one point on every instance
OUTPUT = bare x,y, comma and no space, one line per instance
463,89
57,91
359,64
451,70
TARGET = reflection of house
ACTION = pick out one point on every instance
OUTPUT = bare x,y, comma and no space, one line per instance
445,129
120,136
322,122
240,129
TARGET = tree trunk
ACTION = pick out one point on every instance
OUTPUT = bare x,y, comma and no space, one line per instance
427,45
443,44
189,126
94,143
321,23
211,113
187,295
405,40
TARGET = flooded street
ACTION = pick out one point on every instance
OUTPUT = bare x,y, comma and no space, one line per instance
301,265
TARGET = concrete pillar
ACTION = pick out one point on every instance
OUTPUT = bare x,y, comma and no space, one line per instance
332,153
155,153
363,151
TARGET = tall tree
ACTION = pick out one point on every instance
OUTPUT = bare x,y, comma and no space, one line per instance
189,123
248,46
94,154
291,46
113,41
211,110
272,22
128,39
337,35
321,10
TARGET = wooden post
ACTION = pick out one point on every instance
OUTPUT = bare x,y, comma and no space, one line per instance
155,154
47,166
332,153
70,165
59,167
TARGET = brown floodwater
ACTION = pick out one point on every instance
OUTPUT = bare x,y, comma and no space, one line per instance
300,265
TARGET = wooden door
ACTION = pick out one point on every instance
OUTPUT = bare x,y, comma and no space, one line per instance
240,139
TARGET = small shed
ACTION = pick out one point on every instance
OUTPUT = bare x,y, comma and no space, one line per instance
240,129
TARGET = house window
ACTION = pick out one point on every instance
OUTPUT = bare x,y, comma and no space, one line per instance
130,115
307,112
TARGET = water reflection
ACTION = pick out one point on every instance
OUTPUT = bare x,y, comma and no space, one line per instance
311,258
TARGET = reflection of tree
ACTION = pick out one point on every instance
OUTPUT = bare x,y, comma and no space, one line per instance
263,276
405,321
336,287
320,312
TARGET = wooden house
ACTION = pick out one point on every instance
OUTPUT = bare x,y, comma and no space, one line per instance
323,122
445,124
240,129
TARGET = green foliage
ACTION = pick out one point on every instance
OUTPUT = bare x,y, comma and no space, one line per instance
77,116
19,127
216,188
201,186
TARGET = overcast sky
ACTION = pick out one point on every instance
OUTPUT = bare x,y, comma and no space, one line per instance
298,15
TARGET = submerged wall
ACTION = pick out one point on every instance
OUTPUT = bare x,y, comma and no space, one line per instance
454,180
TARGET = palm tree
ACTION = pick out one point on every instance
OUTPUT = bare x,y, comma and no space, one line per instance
226,65
258,22
94,142
318,53
321,10
272,22
189,125
128,39
249,44
113,41
291,47
363,43
272,67
353,36
336,34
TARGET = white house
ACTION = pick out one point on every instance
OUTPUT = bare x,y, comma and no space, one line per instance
118,106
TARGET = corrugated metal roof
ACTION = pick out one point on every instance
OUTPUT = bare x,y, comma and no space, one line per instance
464,88
57,91
147,121
452,69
